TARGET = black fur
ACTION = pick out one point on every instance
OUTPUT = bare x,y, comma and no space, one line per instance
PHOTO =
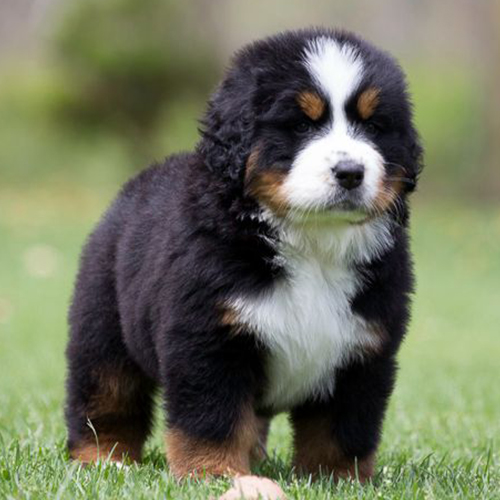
176,244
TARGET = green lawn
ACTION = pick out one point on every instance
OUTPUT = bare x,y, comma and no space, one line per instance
441,432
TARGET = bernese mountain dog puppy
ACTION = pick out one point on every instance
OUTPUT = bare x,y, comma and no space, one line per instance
268,271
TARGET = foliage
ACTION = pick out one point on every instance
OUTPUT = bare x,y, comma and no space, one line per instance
451,116
123,60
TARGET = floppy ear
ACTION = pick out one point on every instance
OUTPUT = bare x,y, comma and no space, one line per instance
415,158
227,128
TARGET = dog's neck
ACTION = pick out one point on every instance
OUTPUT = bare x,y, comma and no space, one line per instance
332,241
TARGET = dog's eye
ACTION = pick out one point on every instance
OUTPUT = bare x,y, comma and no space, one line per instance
302,127
372,128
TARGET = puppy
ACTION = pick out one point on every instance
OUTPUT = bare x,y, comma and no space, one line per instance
266,271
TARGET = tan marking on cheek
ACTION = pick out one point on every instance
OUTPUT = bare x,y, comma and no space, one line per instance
317,452
387,193
368,102
266,185
311,104
188,456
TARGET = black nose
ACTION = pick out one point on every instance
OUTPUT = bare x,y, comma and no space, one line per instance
349,174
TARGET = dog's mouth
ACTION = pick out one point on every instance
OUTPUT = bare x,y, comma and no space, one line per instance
344,208
347,205
345,213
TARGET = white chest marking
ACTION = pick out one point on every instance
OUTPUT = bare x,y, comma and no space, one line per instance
307,323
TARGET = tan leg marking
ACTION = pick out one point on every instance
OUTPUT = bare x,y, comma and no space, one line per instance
187,455
317,452
111,411
108,447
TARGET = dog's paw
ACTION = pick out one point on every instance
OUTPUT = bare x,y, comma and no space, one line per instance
254,488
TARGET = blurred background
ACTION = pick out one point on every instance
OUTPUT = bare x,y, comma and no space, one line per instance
91,91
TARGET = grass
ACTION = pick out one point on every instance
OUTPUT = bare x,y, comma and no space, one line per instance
441,432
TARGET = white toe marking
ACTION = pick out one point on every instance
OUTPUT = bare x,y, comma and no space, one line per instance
254,488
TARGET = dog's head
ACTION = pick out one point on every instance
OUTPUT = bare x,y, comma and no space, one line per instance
314,123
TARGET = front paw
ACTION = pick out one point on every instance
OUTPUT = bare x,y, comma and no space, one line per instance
254,488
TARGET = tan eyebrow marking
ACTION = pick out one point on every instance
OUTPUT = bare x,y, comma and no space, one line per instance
368,101
311,104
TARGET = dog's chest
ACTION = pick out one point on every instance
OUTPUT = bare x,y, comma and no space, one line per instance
306,322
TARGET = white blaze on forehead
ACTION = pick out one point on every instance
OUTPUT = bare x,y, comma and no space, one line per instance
306,319
337,69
